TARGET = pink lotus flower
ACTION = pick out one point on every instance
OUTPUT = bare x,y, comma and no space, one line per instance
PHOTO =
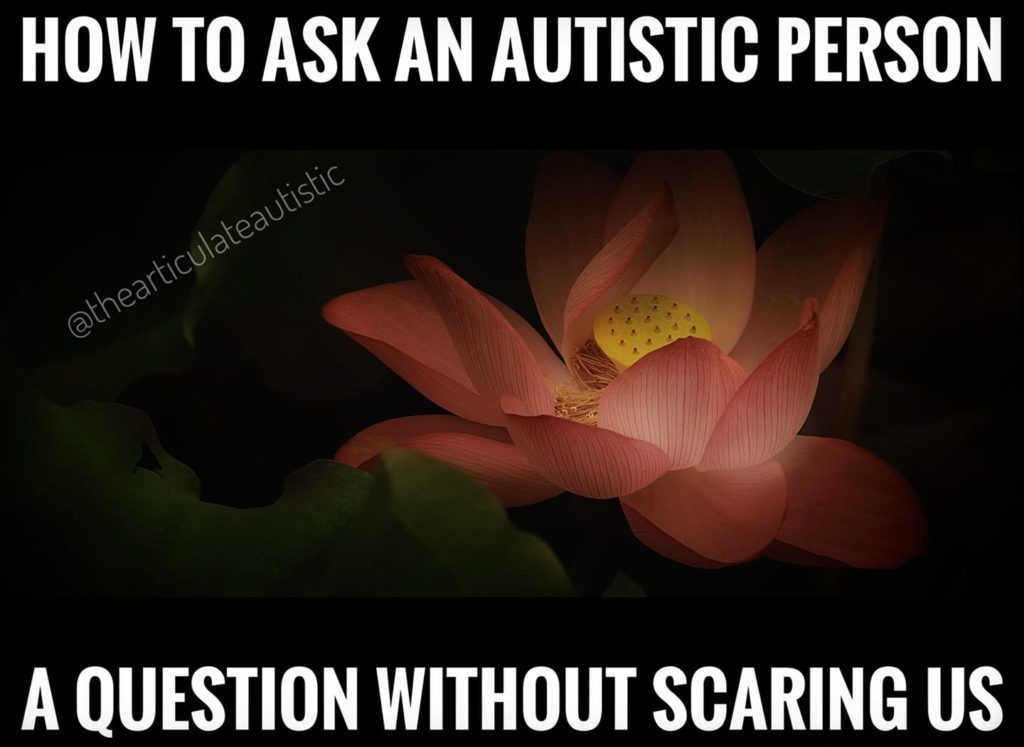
688,363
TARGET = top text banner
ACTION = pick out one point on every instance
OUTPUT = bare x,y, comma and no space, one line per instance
548,75
546,50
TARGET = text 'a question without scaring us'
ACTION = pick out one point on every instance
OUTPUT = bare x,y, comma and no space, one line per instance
536,699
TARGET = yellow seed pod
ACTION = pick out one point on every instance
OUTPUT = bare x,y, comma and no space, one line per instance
636,325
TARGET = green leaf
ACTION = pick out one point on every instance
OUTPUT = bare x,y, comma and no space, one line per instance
429,529
103,374
100,507
831,174
623,586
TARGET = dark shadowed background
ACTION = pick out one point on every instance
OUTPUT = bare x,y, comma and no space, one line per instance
268,387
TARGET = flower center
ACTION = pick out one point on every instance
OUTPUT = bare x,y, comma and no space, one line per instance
636,325
624,332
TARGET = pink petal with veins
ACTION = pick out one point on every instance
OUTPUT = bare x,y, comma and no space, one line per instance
710,262
496,357
486,454
672,397
617,267
582,459
398,323
566,229
724,516
771,405
825,253
848,504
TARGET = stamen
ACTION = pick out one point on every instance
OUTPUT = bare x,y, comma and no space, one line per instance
591,368
579,405
592,371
